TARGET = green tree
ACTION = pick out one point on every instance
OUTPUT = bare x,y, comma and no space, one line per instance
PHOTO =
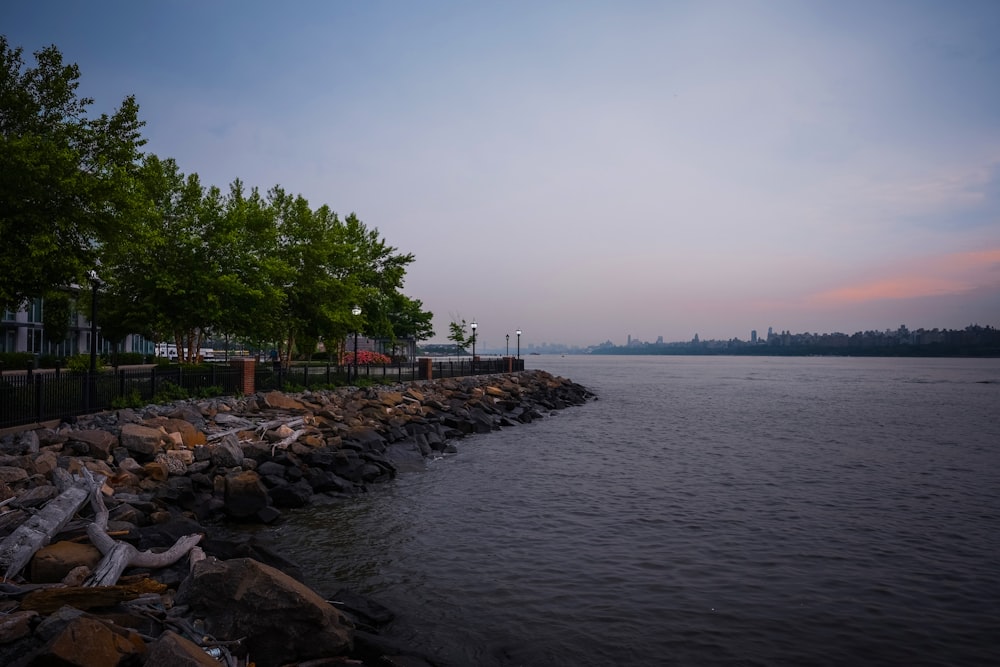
64,177
57,309
163,278
457,335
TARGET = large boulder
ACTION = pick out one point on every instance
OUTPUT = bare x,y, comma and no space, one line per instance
227,453
53,562
172,650
245,495
75,638
282,620
100,443
141,441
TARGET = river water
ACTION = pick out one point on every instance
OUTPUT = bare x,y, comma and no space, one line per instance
702,511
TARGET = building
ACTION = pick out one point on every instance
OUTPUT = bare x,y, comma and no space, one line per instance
24,331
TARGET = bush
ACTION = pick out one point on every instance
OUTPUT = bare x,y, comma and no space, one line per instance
209,392
16,361
132,400
80,363
129,358
367,358
50,361
169,392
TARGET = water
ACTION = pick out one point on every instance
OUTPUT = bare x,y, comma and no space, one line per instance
703,511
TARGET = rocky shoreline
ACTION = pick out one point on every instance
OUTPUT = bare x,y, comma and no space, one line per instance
106,531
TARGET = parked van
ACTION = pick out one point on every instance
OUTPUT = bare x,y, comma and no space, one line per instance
170,352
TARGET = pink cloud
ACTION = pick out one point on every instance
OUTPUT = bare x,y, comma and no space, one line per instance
954,273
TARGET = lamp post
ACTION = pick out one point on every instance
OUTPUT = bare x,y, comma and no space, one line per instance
518,343
474,326
508,345
95,283
356,311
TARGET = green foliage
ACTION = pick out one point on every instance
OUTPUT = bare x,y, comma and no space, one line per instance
178,260
80,363
457,334
57,310
20,361
209,392
132,400
64,177
167,392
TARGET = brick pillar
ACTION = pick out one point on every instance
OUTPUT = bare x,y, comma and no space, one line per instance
508,364
426,368
246,367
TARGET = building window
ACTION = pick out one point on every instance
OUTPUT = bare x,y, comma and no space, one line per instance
34,342
35,311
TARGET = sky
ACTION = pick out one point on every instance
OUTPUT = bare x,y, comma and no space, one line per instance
587,171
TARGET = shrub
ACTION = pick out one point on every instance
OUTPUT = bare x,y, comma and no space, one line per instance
209,392
80,363
131,400
169,392
129,358
16,361
367,358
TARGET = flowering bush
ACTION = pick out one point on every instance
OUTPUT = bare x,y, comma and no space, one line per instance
367,358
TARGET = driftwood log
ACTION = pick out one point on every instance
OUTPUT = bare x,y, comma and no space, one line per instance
259,428
48,600
120,555
18,547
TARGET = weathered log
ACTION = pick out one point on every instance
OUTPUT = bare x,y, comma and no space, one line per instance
256,427
46,601
282,444
18,547
120,555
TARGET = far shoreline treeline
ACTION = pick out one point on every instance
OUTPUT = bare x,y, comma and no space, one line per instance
973,341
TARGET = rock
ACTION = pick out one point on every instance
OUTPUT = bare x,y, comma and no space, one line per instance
12,475
52,563
191,435
227,453
141,441
16,625
245,495
291,495
99,443
172,650
283,620
279,401
82,640
406,456
174,463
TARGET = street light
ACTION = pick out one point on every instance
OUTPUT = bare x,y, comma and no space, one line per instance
518,343
508,345
355,311
473,325
95,283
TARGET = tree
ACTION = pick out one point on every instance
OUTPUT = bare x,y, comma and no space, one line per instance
64,177
458,336
407,320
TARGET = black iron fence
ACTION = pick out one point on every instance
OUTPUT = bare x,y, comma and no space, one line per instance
47,395
42,395
319,374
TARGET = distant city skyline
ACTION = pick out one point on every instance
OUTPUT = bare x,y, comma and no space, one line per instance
585,171
557,346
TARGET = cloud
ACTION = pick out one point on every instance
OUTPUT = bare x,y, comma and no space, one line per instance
955,273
